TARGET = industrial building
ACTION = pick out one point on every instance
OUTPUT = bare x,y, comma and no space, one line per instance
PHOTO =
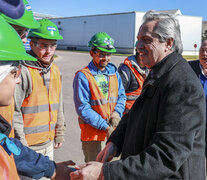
204,29
123,28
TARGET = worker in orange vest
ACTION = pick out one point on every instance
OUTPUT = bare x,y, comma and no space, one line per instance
21,26
8,78
133,73
39,119
27,161
99,96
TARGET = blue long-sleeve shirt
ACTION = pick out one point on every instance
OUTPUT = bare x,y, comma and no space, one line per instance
82,96
32,164
28,162
203,80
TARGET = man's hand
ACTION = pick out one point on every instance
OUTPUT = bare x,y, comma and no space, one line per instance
89,171
62,171
109,131
107,153
114,119
58,145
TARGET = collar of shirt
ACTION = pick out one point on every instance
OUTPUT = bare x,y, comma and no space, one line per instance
202,71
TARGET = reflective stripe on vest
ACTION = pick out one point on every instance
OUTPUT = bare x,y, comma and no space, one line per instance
7,113
103,101
132,96
40,108
8,169
102,106
38,129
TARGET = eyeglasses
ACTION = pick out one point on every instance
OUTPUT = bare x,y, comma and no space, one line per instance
16,71
45,46
23,33
101,54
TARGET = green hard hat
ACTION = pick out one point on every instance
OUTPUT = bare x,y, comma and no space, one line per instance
103,42
47,30
11,45
27,20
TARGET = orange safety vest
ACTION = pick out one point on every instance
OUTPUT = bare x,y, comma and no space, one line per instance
7,113
132,96
8,169
40,108
100,104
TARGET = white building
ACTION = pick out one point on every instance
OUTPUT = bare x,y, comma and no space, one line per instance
204,26
123,28
43,16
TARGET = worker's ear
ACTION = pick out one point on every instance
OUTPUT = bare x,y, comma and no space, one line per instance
31,44
91,53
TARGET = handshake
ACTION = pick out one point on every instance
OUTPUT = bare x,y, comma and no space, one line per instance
94,170
62,171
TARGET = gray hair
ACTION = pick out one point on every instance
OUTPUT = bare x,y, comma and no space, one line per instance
167,27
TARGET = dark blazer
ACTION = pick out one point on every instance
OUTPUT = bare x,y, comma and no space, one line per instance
163,136
195,65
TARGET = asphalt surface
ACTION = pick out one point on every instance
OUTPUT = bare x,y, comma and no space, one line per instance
69,63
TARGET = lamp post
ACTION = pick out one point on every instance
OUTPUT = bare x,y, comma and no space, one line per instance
195,46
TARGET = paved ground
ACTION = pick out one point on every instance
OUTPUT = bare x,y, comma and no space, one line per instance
69,62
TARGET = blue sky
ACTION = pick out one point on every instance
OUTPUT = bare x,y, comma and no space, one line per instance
68,8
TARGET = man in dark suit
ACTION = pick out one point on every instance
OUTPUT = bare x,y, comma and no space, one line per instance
163,135
200,68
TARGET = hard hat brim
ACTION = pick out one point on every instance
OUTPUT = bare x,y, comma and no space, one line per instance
43,36
34,24
15,56
107,50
